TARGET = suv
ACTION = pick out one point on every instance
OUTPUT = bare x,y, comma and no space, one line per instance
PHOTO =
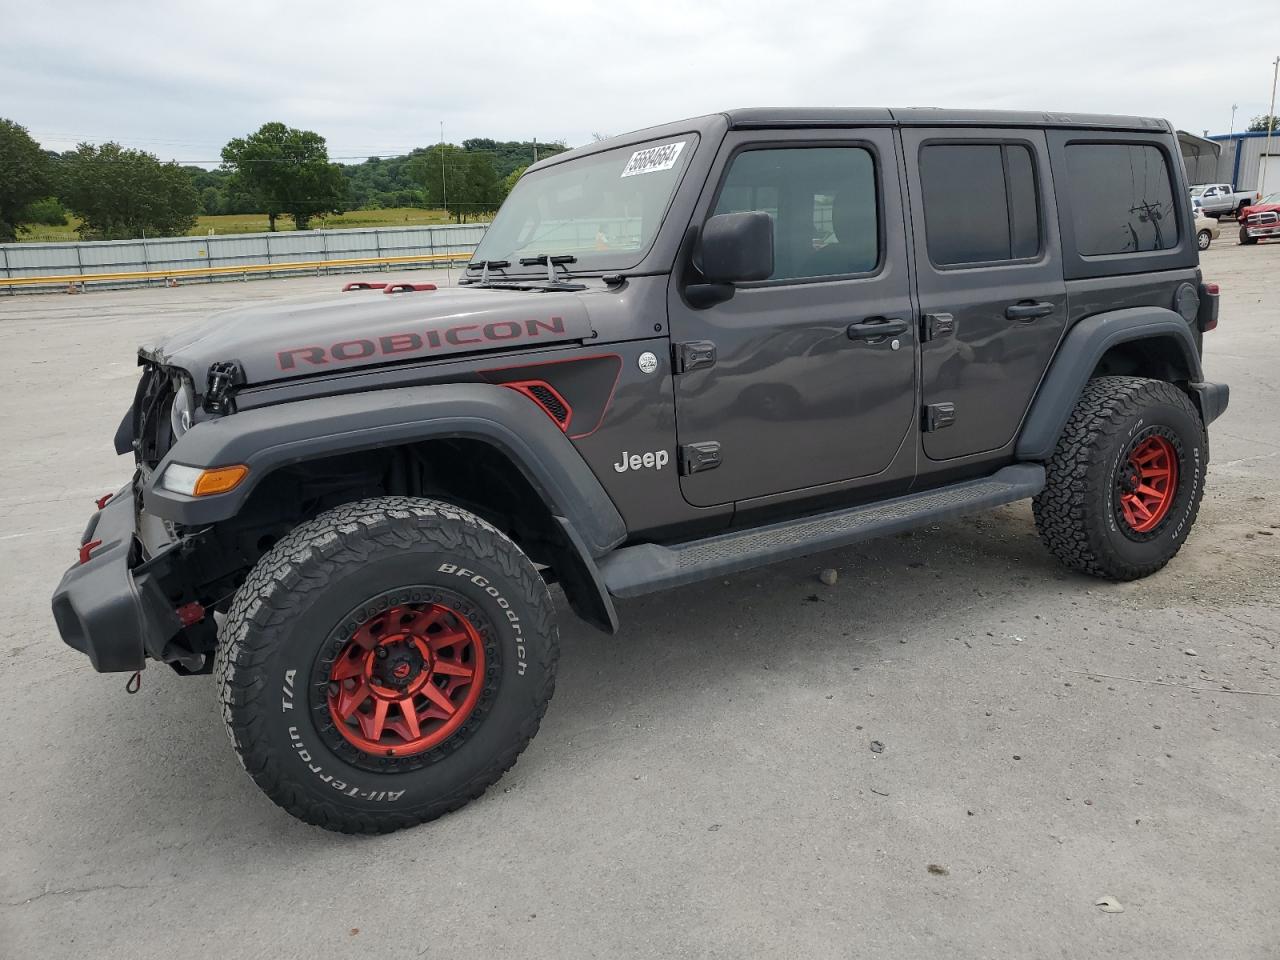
676,354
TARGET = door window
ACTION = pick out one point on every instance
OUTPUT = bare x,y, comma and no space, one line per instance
1121,198
823,204
980,203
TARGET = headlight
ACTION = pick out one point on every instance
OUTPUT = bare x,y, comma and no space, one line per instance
183,409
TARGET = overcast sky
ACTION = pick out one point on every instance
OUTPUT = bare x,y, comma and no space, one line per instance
179,79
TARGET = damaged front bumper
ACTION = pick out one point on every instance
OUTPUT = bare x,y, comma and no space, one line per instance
111,606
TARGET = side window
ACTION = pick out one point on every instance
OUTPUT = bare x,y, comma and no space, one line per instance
823,204
981,203
1121,198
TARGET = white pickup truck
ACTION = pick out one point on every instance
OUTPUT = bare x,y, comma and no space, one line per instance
1221,199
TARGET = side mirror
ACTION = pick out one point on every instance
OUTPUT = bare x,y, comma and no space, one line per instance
737,247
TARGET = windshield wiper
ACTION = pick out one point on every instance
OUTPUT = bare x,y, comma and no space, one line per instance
551,263
485,266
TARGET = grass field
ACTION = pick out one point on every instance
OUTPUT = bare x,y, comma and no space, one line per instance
257,223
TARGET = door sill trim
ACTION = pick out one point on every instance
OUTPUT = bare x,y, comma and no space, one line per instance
650,567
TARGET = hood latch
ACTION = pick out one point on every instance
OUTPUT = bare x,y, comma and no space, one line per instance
224,376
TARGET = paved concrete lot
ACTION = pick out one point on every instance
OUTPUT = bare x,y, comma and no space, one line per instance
704,783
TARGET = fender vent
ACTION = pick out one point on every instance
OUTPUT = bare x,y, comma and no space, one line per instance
547,397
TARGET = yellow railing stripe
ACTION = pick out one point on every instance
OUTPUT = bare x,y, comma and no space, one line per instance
217,271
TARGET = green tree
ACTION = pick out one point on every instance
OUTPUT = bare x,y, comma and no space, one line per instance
470,185
483,188
509,181
288,172
1263,123
120,194
25,177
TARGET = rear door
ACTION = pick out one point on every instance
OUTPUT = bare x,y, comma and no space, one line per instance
809,377
990,282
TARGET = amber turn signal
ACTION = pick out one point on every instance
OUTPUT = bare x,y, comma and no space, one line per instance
198,482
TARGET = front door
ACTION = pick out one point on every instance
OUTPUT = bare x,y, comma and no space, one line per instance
989,275
813,378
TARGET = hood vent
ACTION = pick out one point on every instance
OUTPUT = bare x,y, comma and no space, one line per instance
548,398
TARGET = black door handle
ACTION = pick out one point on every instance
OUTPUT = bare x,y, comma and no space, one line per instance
876,328
1028,310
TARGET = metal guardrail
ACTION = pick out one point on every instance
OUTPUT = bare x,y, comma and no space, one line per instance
80,278
34,267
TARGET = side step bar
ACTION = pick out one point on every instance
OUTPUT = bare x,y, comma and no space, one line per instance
648,567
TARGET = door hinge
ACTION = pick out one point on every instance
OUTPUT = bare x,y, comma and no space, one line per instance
939,415
934,326
696,457
692,355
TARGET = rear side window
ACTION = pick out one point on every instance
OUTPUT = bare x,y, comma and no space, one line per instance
1121,198
980,203
823,203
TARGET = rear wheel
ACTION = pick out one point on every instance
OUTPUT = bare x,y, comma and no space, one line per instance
1125,481
385,663
1203,239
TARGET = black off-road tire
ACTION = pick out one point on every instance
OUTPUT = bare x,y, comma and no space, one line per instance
1245,239
1077,514
289,615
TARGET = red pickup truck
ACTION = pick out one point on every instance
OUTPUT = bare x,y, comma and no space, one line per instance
1260,220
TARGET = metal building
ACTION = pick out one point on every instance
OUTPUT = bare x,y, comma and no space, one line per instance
1242,159
1200,157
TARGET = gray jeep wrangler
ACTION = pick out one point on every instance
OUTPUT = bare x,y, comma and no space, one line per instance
676,355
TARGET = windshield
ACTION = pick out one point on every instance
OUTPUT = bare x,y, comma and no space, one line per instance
1271,198
604,209
1198,191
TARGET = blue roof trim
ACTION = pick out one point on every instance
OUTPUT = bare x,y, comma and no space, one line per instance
1244,135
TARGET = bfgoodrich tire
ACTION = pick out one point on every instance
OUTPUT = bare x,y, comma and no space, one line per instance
386,662
1125,481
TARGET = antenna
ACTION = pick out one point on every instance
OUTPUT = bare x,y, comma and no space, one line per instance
1271,126
444,197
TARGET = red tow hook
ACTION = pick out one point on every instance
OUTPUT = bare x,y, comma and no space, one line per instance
103,501
190,613
86,549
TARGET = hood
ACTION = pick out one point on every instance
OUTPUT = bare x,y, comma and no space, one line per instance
284,339
1260,208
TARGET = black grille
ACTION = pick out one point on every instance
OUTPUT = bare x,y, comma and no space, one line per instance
153,435
550,402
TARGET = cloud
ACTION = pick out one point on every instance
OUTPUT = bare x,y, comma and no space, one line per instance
181,78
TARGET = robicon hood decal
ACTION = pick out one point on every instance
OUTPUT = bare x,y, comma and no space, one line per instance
283,339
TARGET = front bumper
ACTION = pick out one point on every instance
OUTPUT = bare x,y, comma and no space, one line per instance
1263,232
111,606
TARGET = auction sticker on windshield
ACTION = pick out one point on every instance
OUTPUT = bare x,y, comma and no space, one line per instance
653,159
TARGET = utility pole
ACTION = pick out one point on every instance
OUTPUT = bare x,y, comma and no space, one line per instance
1234,108
535,149
1271,126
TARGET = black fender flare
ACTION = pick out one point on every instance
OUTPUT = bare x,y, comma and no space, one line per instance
268,438
1077,357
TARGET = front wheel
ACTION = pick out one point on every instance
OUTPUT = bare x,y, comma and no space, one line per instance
1203,239
385,663
1246,239
1124,484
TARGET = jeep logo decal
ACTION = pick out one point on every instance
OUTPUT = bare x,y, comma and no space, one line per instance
653,460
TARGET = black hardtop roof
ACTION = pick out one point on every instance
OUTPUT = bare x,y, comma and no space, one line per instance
753,117
762,118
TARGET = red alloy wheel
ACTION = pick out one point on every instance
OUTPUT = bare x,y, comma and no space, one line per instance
1149,484
407,679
